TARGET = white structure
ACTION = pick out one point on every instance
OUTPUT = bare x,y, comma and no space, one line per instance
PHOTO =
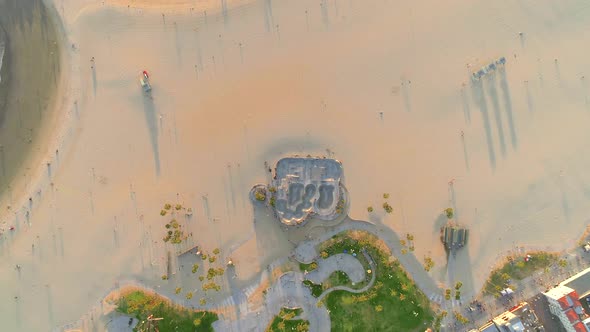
564,303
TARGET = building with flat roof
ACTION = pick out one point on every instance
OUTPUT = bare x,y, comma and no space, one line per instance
579,282
520,318
564,303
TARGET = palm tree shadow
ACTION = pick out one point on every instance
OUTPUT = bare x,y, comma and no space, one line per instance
149,110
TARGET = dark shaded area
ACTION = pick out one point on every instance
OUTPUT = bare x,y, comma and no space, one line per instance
540,305
480,101
491,83
268,17
326,196
508,106
149,111
460,269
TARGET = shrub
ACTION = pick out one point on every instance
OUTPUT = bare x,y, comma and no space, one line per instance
386,195
370,209
260,194
167,206
449,212
178,207
164,277
163,213
387,207
216,251
458,285
189,295
177,290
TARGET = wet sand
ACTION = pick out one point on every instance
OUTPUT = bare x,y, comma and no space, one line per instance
31,76
382,86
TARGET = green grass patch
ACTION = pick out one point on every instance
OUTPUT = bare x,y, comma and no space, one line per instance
308,267
517,269
316,290
394,303
140,305
285,322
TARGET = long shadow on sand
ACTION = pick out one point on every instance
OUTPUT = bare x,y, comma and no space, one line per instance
268,16
149,111
94,83
466,109
508,106
480,101
491,85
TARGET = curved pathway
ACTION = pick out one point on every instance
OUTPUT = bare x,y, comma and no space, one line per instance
350,290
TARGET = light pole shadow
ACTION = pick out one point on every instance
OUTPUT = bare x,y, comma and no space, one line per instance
508,106
480,101
149,111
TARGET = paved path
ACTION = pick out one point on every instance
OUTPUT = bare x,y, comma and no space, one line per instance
288,292
339,262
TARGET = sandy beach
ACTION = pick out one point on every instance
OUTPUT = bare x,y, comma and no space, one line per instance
383,87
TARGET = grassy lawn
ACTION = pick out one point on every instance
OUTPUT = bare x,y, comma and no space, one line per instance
393,303
517,269
140,305
285,322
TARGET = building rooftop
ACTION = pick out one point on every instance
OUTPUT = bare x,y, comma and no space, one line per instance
580,327
489,327
579,282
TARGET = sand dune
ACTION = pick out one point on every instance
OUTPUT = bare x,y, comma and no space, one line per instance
269,79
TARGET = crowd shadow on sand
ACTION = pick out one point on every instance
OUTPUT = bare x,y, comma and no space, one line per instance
150,113
480,101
